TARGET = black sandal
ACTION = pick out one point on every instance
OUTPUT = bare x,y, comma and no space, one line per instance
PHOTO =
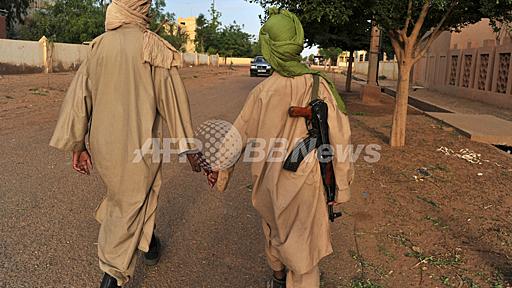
152,257
276,283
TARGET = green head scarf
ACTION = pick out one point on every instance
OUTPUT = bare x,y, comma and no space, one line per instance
282,41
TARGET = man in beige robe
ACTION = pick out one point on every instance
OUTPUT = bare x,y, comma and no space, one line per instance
128,85
292,205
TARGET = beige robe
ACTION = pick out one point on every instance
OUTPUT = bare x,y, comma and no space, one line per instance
292,205
120,101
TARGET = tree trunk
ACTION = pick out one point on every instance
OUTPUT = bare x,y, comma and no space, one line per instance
402,97
348,84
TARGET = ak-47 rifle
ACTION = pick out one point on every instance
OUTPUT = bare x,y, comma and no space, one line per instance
316,114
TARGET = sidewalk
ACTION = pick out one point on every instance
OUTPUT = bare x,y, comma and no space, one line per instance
451,103
478,121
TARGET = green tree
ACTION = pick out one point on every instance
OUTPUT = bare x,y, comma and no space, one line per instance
229,40
70,21
165,25
16,10
338,24
411,25
256,49
208,31
330,53
78,21
201,33
234,42
350,35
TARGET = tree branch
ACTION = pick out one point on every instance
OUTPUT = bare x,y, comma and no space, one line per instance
395,42
424,44
409,17
445,17
161,25
421,19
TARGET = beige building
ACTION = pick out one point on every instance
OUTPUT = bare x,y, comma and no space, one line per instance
188,24
36,4
475,64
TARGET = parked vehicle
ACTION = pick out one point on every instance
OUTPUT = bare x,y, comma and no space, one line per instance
260,67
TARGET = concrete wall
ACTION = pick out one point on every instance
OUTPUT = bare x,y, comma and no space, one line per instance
20,57
388,69
194,59
470,64
214,60
36,57
473,36
203,59
68,57
3,27
235,61
189,58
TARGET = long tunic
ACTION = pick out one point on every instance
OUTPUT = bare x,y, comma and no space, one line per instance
293,205
121,102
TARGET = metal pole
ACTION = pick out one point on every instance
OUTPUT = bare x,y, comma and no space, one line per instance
373,60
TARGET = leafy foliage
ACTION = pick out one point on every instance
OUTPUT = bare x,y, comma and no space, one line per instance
207,30
229,40
234,42
421,22
330,53
78,21
164,23
411,25
330,23
16,10
326,11
71,21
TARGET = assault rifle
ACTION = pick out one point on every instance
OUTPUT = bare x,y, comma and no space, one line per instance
318,138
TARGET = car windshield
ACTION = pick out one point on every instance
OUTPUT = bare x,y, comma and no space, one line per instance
259,60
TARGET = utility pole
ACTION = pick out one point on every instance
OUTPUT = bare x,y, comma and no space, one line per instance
373,63
370,92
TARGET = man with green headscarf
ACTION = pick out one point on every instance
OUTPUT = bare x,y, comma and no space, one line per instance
292,204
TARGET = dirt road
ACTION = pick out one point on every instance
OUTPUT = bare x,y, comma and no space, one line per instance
450,228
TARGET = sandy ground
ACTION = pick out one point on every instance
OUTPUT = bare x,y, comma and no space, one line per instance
450,226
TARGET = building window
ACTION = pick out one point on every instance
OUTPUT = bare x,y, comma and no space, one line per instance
482,75
453,70
503,71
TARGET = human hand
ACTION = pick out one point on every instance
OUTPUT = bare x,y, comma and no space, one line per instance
194,161
223,180
212,177
82,162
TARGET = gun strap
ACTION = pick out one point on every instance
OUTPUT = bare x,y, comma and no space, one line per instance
316,87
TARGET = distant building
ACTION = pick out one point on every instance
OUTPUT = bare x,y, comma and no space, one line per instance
475,63
38,4
189,26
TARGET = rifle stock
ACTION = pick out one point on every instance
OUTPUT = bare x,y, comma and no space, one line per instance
304,112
